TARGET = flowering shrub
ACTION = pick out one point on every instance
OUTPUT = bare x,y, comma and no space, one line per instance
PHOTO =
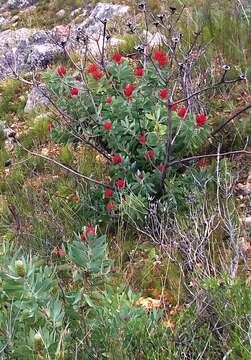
126,110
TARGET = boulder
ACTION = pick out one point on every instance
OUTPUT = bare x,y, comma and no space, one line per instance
102,11
36,98
19,4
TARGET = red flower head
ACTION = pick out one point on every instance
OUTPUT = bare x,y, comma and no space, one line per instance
120,183
111,206
97,75
107,125
161,57
59,251
139,72
174,107
108,100
150,155
163,93
142,139
61,71
117,57
128,90
74,91
108,193
92,68
50,126
201,120
182,112
90,230
117,159
202,163
161,168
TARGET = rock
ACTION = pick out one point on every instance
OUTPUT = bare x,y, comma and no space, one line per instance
3,21
61,13
36,98
156,39
75,13
20,4
101,12
247,222
26,49
61,32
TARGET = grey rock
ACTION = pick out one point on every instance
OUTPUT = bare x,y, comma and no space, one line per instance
25,50
3,21
75,12
20,4
36,98
61,13
102,11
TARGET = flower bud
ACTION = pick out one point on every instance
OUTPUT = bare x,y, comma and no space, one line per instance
37,342
20,268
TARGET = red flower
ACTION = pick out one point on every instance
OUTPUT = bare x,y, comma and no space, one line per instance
120,183
97,75
108,193
90,230
202,163
117,57
108,100
142,139
61,71
74,91
150,155
161,57
174,107
50,66
50,126
128,90
111,206
161,168
117,159
163,93
92,68
59,251
107,125
201,120
182,112
139,72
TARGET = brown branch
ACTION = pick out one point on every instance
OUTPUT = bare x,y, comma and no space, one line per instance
224,82
197,157
67,168
227,121
168,149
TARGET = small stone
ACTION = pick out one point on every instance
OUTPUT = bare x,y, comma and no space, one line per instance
247,221
75,12
61,13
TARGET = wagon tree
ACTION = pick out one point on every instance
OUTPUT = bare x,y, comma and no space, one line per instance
143,113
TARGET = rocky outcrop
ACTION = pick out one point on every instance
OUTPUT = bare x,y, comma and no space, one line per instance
102,11
27,49
18,4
